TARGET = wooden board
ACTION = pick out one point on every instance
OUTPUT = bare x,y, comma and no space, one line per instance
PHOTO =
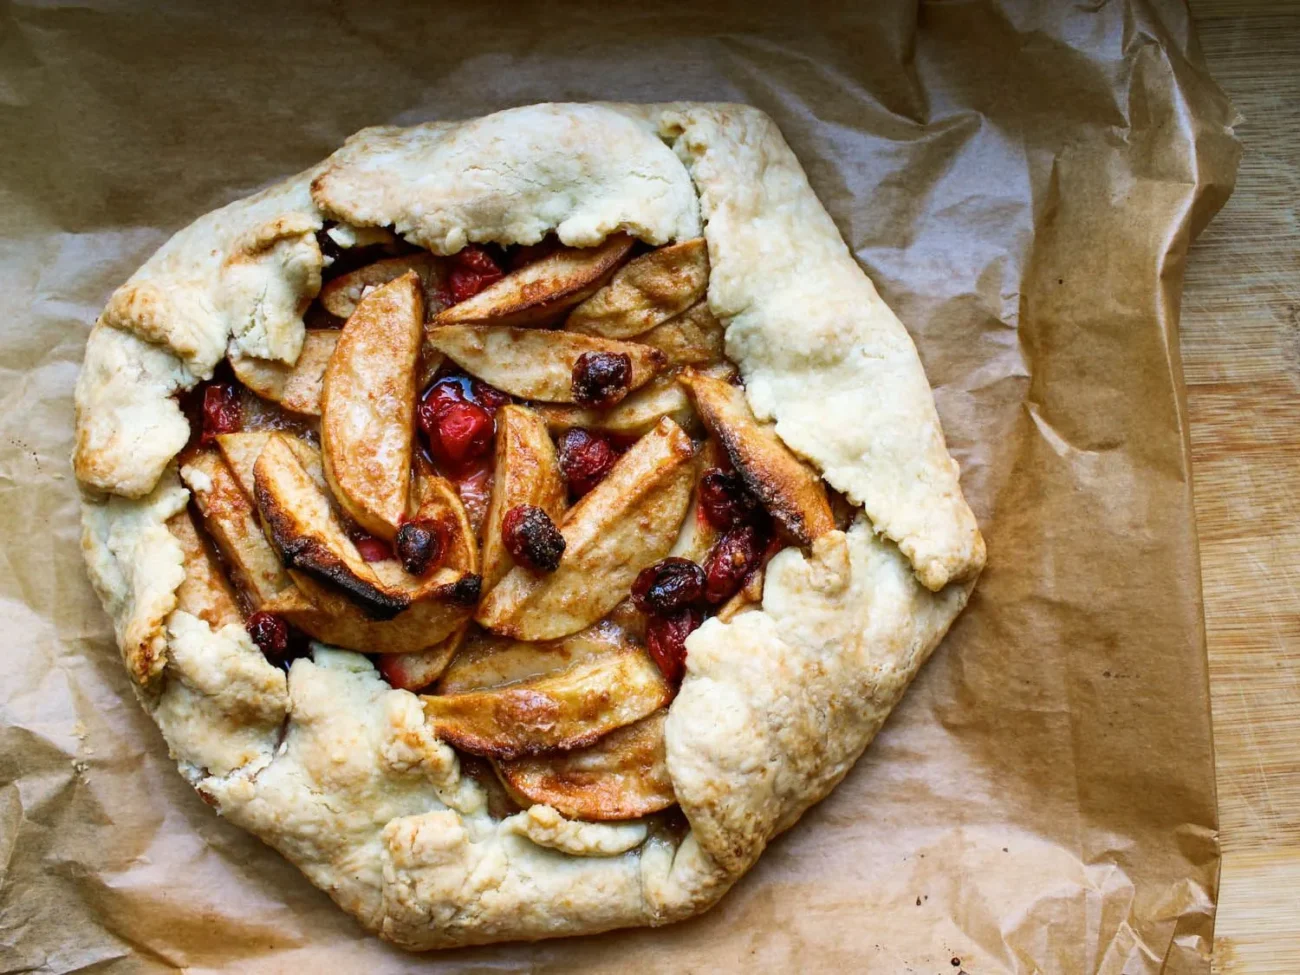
1241,357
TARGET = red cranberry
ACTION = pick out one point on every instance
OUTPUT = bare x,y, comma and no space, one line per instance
421,545
221,412
724,499
489,397
372,549
531,538
601,379
668,586
736,554
666,640
269,632
585,459
474,270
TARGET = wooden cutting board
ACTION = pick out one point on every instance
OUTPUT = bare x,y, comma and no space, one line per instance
1241,357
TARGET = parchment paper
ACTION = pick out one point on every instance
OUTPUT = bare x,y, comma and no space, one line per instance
1021,181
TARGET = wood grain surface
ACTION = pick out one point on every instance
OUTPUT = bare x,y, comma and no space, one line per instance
1241,358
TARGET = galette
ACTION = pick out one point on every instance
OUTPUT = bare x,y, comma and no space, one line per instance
518,522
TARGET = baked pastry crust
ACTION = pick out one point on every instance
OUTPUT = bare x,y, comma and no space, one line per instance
341,773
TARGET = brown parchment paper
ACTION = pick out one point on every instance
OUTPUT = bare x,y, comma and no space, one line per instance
1021,181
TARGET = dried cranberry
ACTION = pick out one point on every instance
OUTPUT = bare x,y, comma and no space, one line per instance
474,270
489,397
724,499
269,632
601,378
736,554
665,638
221,412
372,549
668,586
421,545
467,589
531,538
585,459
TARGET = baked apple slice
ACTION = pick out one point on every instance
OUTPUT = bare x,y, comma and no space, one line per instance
693,338
231,522
417,670
368,406
622,776
543,365
527,472
645,292
634,416
625,523
341,296
792,493
539,292
296,387
489,661
205,591
569,709
241,451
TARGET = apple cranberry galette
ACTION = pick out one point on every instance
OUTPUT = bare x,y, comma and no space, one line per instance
518,522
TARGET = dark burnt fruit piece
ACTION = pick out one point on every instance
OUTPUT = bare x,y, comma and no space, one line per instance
585,459
724,499
668,586
531,538
270,633
601,379
421,545
473,270
735,555
666,640
221,411
467,589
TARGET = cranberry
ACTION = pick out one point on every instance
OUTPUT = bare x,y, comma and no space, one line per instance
531,538
666,640
585,459
668,586
474,270
467,589
489,397
527,254
221,412
459,428
724,499
736,554
372,549
421,545
601,378
269,632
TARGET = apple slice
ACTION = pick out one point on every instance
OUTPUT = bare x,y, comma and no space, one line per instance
693,338
790,490
368,406
342,295
241,451
625,523
538,293
527,472
622,776
296,387
205,591
416,671
635,415
536,363
231,522
645,292
569,709
312,544
489,661
698,534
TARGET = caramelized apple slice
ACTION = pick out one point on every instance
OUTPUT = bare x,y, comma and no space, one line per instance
638,413
625,523
527,472
296,387
368,406
645,292
311,542
416,671
792,493
489,661
205,591
540,292
231,522
569,709
693,338
342,295
622,776
241,451
535,363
